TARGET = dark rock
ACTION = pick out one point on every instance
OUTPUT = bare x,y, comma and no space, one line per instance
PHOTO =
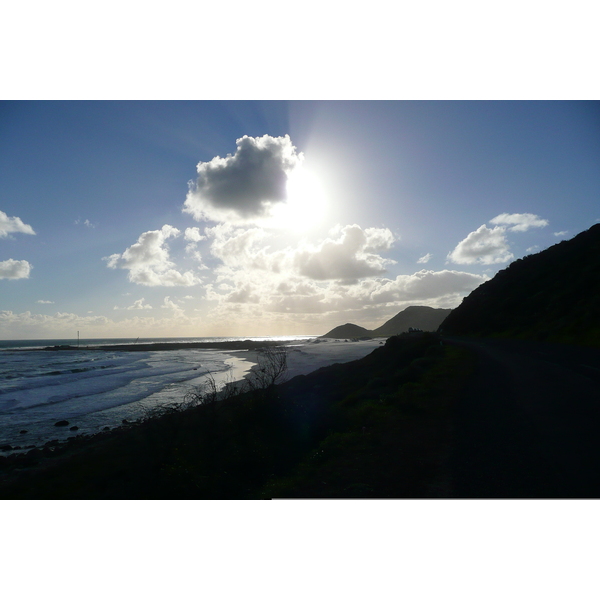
74,428
106,429
61,423
51,443
125,422
23,431
6,448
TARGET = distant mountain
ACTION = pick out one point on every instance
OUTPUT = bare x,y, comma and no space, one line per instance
417,317
349,330
553,295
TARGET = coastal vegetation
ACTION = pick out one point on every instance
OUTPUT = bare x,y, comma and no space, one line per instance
377,427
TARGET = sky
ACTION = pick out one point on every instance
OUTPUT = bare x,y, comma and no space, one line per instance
248,218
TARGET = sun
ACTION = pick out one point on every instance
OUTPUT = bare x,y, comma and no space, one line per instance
306,203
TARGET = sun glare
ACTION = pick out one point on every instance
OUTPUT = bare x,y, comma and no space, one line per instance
306,203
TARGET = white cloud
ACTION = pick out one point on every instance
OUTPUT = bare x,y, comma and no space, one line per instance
378,239
13,225
45,302
490,246
519,221
484,246
244,186
87,223
139,305
532,248
14,269
148,261
426,258
192,234
346,258
236,247
171,305
62,325
560,233
426,286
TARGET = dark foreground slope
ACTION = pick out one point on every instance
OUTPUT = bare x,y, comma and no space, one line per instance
527,424
553,295
377,427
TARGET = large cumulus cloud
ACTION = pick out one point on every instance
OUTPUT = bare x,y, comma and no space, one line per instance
243,186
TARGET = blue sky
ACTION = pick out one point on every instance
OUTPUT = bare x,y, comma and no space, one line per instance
326,212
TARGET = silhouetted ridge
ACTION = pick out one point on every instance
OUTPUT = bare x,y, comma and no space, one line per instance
553,295
349,330
417,317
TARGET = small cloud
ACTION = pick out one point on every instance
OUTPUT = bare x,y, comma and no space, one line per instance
87,223
192,234
188,297
169,304
426,258
519,221
13,225
484,246
45,302
14,269
139,305
532,248
560,233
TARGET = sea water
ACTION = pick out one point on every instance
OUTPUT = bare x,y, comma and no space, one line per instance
95,389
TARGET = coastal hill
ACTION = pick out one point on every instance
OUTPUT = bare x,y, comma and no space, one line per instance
549,296
349,330
417,317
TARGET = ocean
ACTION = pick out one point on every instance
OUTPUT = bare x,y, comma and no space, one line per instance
95,389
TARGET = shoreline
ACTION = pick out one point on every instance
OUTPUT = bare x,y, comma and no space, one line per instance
162,346
304,356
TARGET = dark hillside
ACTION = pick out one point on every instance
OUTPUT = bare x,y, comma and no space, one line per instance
553,295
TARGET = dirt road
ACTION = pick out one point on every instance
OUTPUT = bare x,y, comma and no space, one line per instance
529,423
